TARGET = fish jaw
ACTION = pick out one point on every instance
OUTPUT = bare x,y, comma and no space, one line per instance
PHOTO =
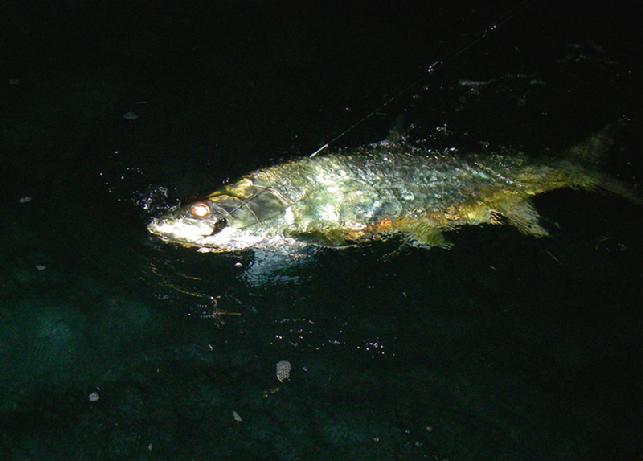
229,239
180,230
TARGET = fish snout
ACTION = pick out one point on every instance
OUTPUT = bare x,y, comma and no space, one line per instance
153,226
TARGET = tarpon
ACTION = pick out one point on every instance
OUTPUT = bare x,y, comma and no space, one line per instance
378,192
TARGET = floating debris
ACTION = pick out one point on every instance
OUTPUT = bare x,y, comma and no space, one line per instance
474,83
283,370
236,417
149,447
14,81
94,397
130,115
41,267
238,264
218,314
25,199
553,257
269,392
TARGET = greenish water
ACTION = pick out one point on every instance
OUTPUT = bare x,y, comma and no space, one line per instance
504,347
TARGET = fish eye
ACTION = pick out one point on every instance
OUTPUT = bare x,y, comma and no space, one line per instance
200,210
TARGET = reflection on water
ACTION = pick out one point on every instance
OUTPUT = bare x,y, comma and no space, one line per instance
266,267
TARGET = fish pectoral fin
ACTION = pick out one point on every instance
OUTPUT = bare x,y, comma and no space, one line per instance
523,216
423,235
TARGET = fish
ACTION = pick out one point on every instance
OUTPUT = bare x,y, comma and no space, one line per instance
379,192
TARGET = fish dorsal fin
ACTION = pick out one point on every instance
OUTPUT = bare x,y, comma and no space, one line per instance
399,131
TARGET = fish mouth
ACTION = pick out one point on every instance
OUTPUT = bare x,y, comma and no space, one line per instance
225,240
180,231
218,234
189,235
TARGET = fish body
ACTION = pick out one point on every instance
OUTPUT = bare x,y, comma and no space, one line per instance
370,194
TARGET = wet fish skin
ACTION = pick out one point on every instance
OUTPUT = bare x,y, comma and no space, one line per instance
376,192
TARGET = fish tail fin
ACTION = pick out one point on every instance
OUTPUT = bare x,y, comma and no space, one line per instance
593,150
589,155
578,176
616,187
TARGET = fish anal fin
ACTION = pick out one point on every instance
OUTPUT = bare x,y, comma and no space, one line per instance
423,235
523,216
334,238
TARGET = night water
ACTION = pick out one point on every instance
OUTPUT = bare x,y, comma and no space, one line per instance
114,345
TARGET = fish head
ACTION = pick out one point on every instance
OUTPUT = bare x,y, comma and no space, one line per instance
218,224
191,224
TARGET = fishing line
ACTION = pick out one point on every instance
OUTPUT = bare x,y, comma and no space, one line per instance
430,71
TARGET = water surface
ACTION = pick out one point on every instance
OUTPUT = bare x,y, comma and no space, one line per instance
504,347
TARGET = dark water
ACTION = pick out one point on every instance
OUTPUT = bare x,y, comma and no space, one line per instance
504,347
